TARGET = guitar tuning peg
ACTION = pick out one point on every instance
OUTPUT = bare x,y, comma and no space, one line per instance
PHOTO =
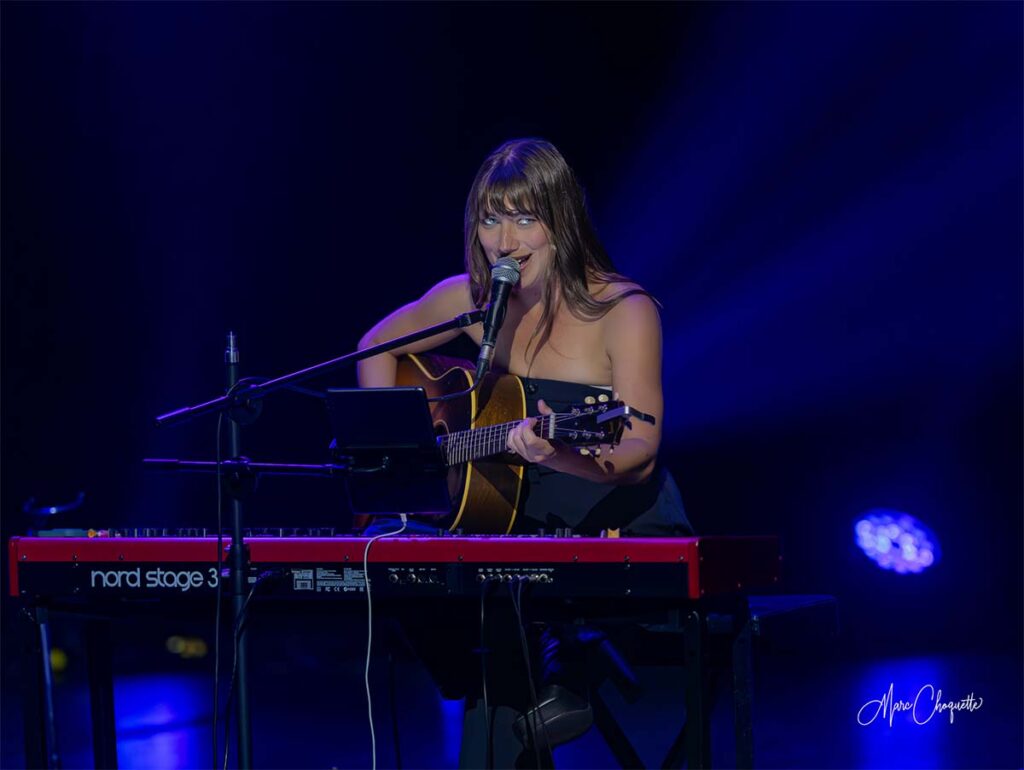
584,451
589,400
597,451
603,398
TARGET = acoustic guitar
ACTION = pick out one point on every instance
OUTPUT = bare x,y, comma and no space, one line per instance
485,480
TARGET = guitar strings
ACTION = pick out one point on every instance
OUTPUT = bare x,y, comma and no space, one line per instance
463,446
477,437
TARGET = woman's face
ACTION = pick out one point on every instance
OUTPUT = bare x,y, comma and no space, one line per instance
520,236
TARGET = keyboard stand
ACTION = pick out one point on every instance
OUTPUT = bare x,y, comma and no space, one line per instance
716,643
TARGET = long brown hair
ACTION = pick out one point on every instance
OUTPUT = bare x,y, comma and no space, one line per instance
532,177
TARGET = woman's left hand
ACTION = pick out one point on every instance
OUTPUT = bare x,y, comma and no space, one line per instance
527,444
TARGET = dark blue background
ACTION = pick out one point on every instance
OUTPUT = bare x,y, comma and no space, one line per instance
825,197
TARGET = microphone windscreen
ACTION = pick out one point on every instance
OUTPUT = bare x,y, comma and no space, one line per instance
505,270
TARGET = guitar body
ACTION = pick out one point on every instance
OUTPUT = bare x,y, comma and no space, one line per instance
485,493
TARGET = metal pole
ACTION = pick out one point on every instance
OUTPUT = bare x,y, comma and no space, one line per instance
239,571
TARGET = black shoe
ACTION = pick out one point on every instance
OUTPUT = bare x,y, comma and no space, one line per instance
561,716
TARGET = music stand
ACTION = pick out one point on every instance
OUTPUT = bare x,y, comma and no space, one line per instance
386,438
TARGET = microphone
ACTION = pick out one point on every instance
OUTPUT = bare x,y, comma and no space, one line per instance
231,359
504,275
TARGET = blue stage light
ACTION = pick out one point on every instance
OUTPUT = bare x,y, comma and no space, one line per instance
452,715
896,541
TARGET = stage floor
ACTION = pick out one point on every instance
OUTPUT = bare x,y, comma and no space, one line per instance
310,709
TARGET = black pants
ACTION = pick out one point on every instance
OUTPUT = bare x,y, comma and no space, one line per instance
448,642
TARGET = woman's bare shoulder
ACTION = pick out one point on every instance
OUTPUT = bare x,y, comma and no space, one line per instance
622,290
454,283
634,311
454,292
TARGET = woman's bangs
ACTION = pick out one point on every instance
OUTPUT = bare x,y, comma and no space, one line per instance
503,188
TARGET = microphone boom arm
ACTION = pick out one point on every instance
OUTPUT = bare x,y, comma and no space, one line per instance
263,389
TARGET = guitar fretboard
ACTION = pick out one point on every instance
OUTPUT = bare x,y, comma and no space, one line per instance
467,445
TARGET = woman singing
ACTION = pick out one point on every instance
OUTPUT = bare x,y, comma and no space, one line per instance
575,328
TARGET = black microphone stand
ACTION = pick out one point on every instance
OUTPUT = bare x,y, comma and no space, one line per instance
239,569
241,403
252,393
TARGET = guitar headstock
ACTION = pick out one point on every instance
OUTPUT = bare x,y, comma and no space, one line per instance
596,422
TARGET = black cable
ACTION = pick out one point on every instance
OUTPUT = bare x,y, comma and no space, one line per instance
516,604
239,626
234,671
220,577
453,396
220,570
489,761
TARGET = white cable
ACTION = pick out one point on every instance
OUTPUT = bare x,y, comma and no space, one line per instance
369,636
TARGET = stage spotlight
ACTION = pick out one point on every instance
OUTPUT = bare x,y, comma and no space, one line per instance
897,541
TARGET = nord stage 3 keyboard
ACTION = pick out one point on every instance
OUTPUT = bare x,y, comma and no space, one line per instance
184,568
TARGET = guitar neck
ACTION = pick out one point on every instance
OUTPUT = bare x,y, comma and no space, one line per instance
467,445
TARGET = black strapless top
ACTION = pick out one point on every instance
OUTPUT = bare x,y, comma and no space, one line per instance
551,500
